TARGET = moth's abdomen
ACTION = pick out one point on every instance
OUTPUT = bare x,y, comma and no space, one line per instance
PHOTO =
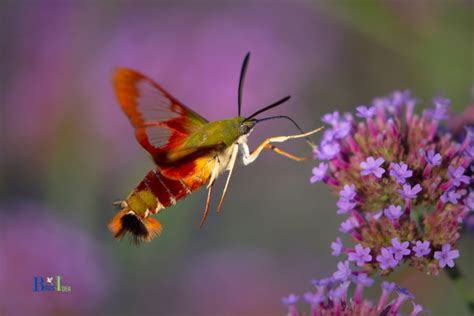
155,192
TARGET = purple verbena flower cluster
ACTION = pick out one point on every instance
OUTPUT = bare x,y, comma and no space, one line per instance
330,297
403,183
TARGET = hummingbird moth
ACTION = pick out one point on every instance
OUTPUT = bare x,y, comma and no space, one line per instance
189,152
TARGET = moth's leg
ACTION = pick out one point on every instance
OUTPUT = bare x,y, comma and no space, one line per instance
277,150
284,153
215,171
213,177
266,144
208,203
230,167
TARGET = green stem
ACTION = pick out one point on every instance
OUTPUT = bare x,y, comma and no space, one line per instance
461,285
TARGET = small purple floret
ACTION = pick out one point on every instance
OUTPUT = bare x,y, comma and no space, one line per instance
366,112
457,176
313,298
382,103
400,172
338,292
343,271
388,286
328,150
360,255
386,259
409,192
342,129
446,256
328,135
331,118
422,248
400,249
291,299
372,165
362,279
441,102
441,110
322,283
337,247
401,97
348,225
452,196
393,212
319,172
433,158
348,192
344,206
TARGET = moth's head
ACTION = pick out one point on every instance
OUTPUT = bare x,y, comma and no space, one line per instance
246,126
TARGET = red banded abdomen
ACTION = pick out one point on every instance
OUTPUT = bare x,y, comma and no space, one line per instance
156,192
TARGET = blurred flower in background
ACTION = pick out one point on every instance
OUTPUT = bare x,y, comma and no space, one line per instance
37,95
33,244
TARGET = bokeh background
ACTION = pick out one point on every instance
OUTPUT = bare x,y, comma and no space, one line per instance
67,151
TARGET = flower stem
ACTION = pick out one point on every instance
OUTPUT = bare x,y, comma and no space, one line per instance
462,287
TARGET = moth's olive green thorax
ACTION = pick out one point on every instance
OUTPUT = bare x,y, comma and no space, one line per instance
220,132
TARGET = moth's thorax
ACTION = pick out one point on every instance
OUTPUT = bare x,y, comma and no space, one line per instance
215,133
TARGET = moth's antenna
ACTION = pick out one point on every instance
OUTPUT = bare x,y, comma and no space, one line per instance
243,71
268,107
292,121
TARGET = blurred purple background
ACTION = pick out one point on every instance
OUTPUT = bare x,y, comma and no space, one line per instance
67,150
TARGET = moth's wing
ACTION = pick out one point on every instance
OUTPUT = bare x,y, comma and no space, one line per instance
162,124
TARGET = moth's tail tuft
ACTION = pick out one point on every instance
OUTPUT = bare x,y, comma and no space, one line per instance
140,229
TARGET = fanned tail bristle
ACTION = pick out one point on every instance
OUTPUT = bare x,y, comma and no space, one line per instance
140,229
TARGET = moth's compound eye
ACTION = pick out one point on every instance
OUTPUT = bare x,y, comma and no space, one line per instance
244,129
